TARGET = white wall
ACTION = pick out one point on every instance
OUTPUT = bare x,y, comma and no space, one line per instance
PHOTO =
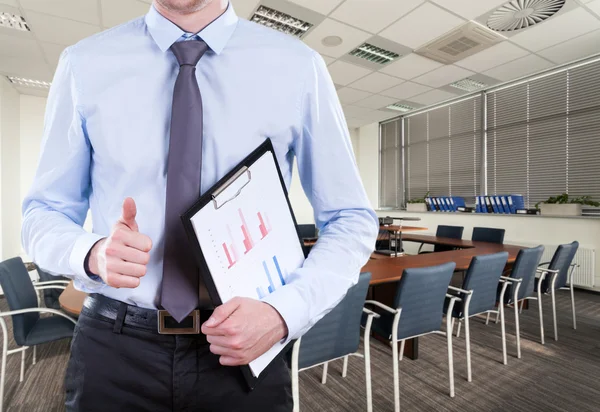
10,215
368,161
32,127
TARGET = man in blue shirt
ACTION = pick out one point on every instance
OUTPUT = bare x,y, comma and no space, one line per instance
126,106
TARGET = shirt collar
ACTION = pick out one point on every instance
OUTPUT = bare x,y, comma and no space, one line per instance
216,34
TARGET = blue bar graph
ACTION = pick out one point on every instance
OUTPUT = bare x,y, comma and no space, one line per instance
260,293
271,285
278,270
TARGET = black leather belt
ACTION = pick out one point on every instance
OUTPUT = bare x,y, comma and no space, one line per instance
158,321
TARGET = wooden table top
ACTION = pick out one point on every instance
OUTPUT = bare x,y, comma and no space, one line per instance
402,228
71,300
389,269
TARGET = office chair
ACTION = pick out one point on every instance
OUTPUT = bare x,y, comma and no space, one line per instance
51,295
521,286
28,328
488,234
454,232
336,336
418,310
561,268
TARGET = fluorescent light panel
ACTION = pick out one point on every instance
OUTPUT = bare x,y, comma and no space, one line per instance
13,21
374,54
468,85
37,84
281,21
400,107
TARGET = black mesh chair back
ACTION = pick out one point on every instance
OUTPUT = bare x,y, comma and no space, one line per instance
563,275
337,334
50,295
454,232
560,261
524,268
307,231
20,294
421,293
482,278
488,234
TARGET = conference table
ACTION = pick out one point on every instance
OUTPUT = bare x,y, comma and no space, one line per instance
385,271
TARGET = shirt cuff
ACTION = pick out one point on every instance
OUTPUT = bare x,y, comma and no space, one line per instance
82,246
291,306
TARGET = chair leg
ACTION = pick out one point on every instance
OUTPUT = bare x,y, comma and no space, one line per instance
468,348
402,349
22,375
4,354
345,367
487,318
324,377
498,314
396,374
573,305
517,331
368,374
295,380
503,328
458,329
521,308
553,295
34,354
450,359
451,325
541,317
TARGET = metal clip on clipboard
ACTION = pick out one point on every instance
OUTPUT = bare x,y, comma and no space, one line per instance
228,183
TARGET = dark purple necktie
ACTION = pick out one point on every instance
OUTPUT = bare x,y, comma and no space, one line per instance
180,289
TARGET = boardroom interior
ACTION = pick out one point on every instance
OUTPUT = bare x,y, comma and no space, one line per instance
475,126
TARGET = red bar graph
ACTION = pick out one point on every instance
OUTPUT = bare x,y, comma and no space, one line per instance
232,246
231,261
264,230
248,242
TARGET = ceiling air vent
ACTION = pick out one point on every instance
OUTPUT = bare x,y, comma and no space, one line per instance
468,39
13,21
522,14
400,107
468,85
281,21
374,54
37,84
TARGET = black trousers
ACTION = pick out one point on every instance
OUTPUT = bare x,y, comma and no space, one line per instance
125,368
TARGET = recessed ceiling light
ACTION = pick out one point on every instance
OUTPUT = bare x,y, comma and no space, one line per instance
20,81
332,41
280,21
13,21
468,85
400,107
374,54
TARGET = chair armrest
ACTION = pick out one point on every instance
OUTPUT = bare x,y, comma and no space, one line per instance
453,297
52,282
420,247
466,292
40,310
381,305
543,264
510,280
371,313
575,265
538,270
50,287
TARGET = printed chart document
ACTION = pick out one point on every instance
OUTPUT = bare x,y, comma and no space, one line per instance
246,232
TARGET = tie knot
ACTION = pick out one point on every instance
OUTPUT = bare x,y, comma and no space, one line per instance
189,52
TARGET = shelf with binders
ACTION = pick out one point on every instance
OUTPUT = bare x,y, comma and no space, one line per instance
446,204
502,204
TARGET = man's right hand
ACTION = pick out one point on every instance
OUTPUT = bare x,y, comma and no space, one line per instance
121,259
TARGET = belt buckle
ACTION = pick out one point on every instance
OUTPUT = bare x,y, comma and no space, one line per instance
163,315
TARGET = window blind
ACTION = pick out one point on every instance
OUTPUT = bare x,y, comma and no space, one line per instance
391,178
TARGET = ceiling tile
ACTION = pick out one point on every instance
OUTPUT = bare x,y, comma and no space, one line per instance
328,60
11,46
421,26
580,47
320,6
30,68
351,37
376,102
245,8
406,90
376,82
115,12
378,115
518,68
494,56
355,111
443,76
594,6
470,9
557,30
348,95
12,3
85,11
353,122
411,66
57,30
373,16
52,52
432,97
32,91
345,73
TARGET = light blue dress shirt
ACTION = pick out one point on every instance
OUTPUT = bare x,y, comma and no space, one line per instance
106,137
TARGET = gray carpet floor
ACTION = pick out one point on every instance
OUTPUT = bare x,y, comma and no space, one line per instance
562,375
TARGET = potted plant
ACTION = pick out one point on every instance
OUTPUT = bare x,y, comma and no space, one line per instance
417,204
563,205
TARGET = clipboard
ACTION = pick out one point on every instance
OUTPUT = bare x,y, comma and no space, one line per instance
233,225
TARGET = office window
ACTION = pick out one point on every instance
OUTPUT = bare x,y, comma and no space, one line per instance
443,150
542,137
391,193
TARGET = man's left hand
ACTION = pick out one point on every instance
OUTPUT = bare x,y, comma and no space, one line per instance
242,329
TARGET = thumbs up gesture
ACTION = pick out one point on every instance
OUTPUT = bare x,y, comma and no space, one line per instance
121,259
